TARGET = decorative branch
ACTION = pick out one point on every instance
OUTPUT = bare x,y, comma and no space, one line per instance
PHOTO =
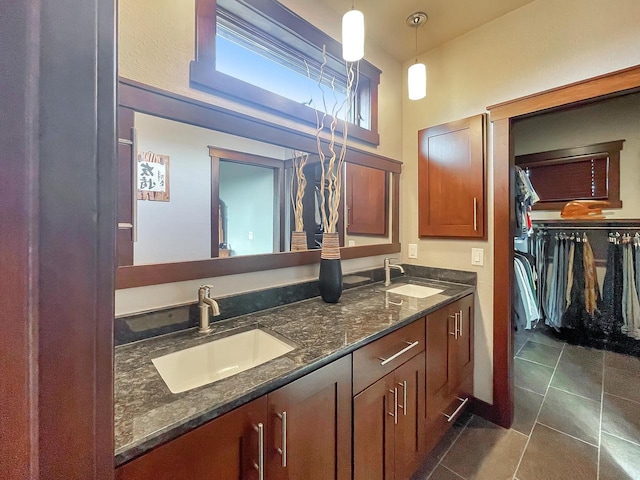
332,155
299,162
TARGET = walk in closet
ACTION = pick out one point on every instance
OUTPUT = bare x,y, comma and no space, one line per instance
579,279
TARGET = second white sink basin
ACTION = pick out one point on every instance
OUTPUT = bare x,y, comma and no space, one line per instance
415,291
218,359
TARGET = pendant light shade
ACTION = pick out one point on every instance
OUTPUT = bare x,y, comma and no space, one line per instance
417,81
417,74
353,36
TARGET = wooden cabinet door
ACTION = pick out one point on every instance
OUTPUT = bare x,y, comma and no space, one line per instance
451,179
462,354
373,430
440,325
310,426
224,449
409,431
367,200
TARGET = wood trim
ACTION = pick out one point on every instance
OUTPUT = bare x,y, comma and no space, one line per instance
215,206
502,274
395,205
152,101
606,147
245,158
144,275
76,235
204,76
611,84
161,103
588,89
19,26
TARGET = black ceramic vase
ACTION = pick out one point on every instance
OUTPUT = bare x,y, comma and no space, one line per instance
330,279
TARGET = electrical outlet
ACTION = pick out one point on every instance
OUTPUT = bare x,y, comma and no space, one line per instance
250,235
477,256
413,250
352,243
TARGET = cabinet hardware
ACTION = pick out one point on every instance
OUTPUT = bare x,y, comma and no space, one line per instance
457,410
134,182
461,334
283,451
260,465
404,397
475,214
455,325
395,405
397,354
124,225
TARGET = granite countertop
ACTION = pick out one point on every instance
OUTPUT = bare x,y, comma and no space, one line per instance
148,414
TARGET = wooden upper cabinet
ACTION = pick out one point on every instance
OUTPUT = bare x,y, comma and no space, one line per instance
367,200
451,181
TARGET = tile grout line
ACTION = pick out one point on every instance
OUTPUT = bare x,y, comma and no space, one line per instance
604,360
621,398
447,468
567,434
575,394
621,438
529,390
538,415
533,361
450,447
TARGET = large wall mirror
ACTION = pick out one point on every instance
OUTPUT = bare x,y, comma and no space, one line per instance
201,196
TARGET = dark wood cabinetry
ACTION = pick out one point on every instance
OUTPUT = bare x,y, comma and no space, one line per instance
388,415
451,179
310,426
367,200
449,365
226,448
303,430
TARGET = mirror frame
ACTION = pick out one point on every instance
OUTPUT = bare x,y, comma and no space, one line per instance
160,103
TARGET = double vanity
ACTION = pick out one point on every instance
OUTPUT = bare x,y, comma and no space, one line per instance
361,389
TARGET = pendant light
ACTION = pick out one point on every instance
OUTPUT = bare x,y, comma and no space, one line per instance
417,74
353,35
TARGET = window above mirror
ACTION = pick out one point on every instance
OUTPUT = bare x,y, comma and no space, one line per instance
261,53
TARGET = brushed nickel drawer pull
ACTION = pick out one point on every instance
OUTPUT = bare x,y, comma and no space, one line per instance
260,465
475,214
455,325
404,397
395,406
453,415
461,334
397,354
283,451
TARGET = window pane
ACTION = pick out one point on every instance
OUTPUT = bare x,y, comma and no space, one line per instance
264,68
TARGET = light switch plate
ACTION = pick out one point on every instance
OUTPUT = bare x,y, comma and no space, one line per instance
413,250
477,256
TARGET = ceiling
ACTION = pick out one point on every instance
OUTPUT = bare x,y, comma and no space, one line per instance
385,20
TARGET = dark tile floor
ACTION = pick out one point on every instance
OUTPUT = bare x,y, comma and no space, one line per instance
577,416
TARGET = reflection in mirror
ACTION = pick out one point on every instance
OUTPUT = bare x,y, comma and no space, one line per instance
232,196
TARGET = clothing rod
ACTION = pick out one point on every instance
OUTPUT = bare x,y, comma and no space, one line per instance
576,228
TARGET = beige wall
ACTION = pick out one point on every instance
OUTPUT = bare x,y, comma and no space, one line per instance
156,45
542,45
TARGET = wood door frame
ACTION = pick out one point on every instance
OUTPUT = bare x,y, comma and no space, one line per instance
57,274
502,116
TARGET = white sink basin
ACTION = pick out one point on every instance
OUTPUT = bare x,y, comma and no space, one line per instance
206,363
415,291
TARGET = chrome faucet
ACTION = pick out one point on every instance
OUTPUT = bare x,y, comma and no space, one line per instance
387,271
205,302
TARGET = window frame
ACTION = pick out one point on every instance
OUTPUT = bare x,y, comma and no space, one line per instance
609,150
204,76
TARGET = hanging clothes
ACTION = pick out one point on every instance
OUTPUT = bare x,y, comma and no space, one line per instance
525,304
526,197
630,303
573,317
612,288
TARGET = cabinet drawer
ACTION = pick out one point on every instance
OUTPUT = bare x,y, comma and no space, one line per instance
377,359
